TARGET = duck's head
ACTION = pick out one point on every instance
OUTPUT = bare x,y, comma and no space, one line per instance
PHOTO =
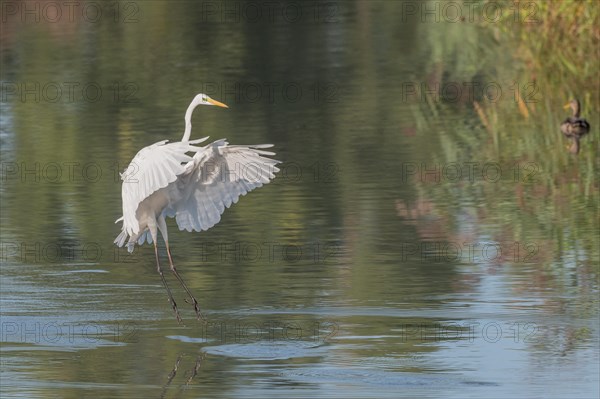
574,105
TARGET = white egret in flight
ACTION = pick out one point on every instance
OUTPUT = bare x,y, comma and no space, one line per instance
164,181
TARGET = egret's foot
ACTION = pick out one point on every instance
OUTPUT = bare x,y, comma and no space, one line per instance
174,306
194,301
199,315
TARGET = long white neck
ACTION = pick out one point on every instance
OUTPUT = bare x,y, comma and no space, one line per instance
188,121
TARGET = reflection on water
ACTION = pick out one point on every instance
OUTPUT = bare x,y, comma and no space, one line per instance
192,373
409,246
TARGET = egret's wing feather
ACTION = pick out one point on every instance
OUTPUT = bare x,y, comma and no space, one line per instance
153,168
216,177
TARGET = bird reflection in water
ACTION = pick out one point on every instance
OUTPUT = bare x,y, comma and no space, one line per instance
191,374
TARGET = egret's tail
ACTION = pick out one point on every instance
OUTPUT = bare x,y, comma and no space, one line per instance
121,238
120,241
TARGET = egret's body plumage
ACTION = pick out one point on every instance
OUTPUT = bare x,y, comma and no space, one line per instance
163,180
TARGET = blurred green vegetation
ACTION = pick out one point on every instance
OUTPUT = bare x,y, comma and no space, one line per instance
544,191
558,41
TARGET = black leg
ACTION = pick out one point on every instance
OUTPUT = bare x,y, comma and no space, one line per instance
174,270
173,304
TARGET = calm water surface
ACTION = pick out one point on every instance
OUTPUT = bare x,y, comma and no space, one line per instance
373,266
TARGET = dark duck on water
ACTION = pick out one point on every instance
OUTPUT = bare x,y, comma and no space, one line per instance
574,127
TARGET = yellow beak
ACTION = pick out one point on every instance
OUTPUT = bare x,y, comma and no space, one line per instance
215,102
567,105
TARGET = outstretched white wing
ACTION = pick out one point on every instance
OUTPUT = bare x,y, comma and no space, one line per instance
153,168
215,179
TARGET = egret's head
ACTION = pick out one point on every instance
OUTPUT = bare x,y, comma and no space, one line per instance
203,99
